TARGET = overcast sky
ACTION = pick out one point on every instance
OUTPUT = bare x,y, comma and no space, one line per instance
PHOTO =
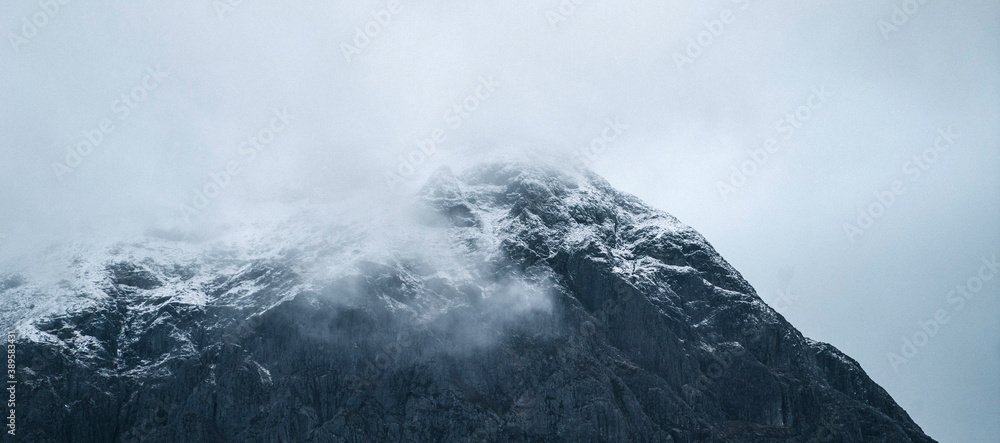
115,115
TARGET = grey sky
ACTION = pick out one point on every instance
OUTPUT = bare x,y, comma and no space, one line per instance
343,119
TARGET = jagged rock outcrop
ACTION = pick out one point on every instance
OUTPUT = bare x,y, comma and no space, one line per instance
525,304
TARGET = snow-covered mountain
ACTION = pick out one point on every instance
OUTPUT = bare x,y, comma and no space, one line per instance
520,303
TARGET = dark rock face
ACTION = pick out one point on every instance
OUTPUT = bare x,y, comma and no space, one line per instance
572,313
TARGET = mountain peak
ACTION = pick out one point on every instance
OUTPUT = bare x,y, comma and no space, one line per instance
526,302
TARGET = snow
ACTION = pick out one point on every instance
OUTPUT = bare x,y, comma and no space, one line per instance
318,248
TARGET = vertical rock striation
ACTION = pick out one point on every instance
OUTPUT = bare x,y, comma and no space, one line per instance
538,305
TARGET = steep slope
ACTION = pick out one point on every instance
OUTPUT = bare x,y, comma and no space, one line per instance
526,304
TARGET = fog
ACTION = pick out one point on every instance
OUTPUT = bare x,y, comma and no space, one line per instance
122,117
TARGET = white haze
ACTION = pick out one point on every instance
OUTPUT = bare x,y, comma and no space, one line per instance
555,89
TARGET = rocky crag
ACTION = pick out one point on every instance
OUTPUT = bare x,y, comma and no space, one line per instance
523,303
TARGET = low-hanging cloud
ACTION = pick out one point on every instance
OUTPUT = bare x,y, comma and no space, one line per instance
352,105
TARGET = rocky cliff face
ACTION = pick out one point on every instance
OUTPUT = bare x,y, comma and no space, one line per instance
526,304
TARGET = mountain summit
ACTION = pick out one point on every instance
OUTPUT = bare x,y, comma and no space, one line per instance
519,303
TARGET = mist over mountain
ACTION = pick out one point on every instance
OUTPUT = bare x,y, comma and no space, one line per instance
516,302
843,156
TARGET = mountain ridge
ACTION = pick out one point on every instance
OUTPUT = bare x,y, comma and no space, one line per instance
523,302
